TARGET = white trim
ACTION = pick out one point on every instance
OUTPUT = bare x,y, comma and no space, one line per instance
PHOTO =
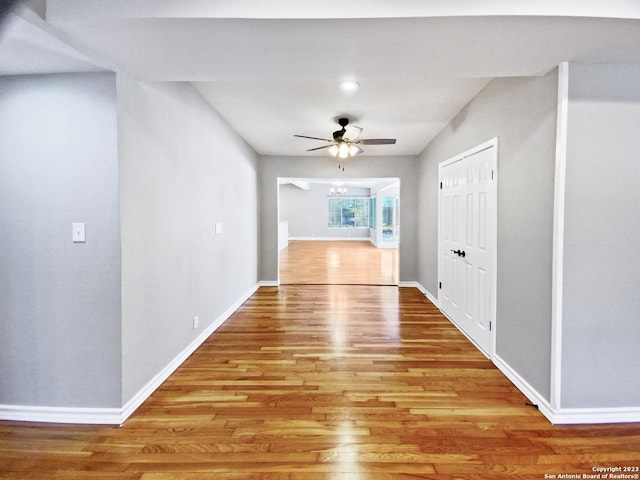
369,239
527,390
486,354
472,151
167,371
90,416
330,239
269,283
423,290
567,415
412,285
558,236
432,299
596,415
117,416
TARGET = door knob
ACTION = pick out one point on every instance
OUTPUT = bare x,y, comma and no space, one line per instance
460,253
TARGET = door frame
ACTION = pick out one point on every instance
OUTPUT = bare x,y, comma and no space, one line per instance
346,181
492,238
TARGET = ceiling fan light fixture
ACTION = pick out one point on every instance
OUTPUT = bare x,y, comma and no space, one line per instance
346,142
349,85
343,150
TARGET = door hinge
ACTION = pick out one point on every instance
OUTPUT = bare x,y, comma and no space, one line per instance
491,174
490,326
439,284
440,185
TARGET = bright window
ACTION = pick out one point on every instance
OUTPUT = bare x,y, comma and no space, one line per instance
346,212
372,212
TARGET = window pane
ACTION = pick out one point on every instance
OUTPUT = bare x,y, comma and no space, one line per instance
348,212
372,213
361,208
335,212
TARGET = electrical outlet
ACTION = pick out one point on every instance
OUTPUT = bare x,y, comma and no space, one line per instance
195,322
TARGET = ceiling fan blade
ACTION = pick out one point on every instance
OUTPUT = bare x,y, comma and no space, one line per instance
359,150
318,148
314,138
352,132
377,141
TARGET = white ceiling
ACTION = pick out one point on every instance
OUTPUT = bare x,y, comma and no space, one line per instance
272,69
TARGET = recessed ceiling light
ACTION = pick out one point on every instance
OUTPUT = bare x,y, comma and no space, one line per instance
349,85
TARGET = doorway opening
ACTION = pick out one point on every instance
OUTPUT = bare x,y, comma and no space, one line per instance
338,232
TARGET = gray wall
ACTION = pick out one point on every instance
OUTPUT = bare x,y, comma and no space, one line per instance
307,211
601,323
522,113
405,168
59,301
182,169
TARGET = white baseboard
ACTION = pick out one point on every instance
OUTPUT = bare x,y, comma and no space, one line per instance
117,416
330,239
432,299
565,416
423,290
269,283
412,285
524,387
92,416
146,391
596,415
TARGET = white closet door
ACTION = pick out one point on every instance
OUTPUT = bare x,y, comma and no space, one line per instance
467,243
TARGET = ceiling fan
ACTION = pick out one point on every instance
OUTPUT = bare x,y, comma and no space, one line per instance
345,141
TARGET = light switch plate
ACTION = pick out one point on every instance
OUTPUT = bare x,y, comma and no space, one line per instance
218,228
78,233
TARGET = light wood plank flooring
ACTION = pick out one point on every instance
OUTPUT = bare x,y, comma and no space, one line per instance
325,382
338,262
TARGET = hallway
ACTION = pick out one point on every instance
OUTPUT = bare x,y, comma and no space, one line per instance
319,383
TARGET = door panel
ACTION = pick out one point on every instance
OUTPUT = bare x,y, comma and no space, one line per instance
467,224
482,221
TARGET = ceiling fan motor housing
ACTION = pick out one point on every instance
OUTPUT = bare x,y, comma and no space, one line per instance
338,134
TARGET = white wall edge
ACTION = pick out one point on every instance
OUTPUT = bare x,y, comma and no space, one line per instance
117,416
558,236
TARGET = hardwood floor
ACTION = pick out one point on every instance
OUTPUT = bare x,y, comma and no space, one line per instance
325,382
338,262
